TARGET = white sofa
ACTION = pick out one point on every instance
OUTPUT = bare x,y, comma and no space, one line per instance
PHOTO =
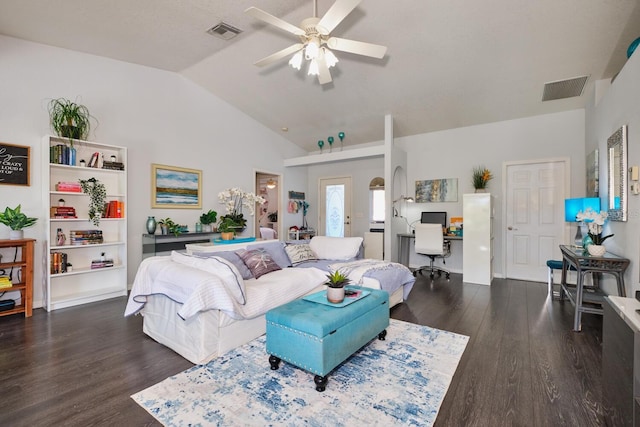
199,312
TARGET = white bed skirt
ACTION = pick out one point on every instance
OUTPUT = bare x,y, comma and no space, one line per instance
211,333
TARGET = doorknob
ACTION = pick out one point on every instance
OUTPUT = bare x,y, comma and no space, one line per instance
511,228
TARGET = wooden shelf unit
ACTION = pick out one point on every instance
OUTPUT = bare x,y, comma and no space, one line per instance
25,286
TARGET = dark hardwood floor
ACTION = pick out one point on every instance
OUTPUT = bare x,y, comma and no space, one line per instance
523,365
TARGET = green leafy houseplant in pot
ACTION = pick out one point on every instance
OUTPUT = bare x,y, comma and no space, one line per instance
227,227
168,225
68,119
97,196
208,218
16,221
336,283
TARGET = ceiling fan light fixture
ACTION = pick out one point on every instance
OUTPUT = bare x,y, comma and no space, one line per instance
296,60
313,68
329,58
312,50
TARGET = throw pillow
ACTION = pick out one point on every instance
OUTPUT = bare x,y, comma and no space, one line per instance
276,250
258,261
341,248
230,256
300,253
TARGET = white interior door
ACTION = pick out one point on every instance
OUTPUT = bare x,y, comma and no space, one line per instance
535,194
335,207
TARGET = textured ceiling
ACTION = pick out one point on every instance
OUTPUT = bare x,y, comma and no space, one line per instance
449,63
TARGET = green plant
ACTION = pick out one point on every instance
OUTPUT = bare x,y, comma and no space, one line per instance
97,196
172,227
68,119
337,280
228,224
15,219
481,177
209,217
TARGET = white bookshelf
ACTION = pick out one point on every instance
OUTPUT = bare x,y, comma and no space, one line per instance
83,284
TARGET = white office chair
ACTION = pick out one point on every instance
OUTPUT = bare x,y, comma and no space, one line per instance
430,242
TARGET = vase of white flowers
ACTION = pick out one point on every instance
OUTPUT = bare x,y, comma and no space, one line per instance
595,221
234,200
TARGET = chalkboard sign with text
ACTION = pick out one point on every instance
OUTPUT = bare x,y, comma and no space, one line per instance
14,164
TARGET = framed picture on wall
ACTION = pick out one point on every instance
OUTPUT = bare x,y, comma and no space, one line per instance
593,182
14,164
437,190
174,187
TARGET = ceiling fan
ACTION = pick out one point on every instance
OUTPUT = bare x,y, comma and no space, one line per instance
316,41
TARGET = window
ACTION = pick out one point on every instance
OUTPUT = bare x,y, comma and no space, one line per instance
377,206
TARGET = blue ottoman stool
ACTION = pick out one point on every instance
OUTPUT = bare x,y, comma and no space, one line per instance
553,264
318,336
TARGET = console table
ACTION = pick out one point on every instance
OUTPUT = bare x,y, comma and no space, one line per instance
584,263
155,244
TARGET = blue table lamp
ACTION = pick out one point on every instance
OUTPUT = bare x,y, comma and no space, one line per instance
573,206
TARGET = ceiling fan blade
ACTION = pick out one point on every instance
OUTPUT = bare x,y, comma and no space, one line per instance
279,55
336,13
324,75
360,48
277,22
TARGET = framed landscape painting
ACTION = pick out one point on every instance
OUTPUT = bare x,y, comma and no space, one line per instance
174,187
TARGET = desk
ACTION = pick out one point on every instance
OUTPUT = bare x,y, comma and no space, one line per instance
404,246
586,264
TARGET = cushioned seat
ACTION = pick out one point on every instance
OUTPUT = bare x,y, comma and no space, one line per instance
318,337
554,264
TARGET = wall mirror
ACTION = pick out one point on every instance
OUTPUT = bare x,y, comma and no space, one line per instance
617,169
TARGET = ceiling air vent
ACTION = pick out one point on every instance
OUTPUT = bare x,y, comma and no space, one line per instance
224,31
564,88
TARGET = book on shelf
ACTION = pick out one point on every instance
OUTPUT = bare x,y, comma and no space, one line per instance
114,209
62,154
118,166
58,262
101,263
70,187
62,212
85,237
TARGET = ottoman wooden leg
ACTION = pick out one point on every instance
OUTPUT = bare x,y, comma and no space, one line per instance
321,382
382,335
274,362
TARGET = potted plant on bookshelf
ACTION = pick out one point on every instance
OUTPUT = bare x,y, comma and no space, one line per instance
207,219
97,196
68,119
336,283
480,178
16,220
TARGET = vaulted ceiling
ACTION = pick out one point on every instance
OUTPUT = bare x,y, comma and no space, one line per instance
449,63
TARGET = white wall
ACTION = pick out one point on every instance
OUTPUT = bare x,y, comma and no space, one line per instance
454,153
160,116
620,105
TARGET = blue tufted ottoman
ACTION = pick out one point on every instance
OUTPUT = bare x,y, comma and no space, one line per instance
318,337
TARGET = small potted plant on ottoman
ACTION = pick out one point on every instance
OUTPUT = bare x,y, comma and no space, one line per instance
336,283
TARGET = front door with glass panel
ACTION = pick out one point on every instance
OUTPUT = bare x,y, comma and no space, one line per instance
335,207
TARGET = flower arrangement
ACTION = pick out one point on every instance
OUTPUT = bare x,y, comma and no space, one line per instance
595,221
480,177
234,199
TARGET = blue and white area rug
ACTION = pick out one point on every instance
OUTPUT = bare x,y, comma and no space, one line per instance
402,380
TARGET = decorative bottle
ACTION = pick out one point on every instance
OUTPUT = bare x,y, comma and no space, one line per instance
151,225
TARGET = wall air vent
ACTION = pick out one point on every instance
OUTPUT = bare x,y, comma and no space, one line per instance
224,31
564,88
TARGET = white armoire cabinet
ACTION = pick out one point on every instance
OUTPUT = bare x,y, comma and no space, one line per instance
478,212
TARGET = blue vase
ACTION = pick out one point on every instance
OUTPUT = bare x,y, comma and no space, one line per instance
151,225
586,241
